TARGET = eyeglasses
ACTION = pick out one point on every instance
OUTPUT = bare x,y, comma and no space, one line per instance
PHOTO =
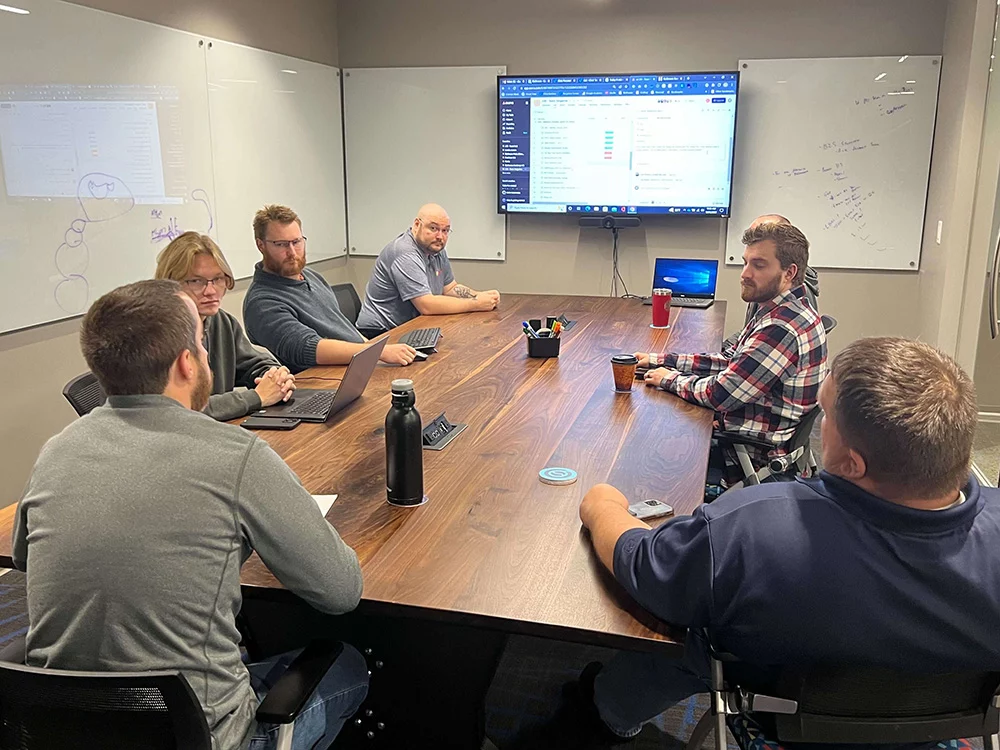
435,229
285,244
219,283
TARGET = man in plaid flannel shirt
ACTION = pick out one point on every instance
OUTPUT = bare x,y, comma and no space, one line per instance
767,376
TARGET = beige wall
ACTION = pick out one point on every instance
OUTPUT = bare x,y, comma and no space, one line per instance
562,36
43,359
300,28
945,268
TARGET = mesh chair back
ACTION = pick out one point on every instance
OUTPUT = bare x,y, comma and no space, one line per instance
804,429
873,705
84,393
348,300
48,708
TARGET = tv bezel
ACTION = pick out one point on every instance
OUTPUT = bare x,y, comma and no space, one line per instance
723,214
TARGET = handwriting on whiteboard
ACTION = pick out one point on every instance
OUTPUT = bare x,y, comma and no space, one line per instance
845,198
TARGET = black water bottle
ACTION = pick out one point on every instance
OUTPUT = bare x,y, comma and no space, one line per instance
404,457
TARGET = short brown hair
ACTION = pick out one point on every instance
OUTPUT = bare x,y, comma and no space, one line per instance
131,336
177,258
273,212
791,246
909,410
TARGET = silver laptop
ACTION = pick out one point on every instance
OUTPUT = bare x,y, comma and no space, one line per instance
691,280
318,406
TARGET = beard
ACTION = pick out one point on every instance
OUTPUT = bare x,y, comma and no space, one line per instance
760,294
287,268
202,388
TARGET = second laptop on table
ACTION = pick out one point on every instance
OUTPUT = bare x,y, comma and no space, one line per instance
318,406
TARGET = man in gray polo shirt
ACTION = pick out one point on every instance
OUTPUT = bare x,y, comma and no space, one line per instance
412,277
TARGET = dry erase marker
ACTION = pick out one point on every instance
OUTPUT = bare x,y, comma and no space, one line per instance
529,330
556,329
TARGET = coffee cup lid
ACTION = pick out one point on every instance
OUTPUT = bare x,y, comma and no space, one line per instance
624,359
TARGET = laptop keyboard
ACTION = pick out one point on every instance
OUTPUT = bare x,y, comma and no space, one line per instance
318,403
687,302
422,338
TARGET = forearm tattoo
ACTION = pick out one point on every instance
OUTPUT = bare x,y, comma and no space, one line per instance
463,291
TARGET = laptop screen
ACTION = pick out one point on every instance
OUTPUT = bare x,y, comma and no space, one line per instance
686,277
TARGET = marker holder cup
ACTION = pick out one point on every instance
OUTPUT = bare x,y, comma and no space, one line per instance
543,348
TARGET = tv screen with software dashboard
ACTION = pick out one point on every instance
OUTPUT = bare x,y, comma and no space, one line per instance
655,143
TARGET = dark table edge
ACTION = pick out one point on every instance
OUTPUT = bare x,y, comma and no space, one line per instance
674,648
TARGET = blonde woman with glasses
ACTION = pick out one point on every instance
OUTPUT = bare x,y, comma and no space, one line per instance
197,263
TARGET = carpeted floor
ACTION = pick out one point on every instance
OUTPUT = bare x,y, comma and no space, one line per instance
986,450
13,607
527,690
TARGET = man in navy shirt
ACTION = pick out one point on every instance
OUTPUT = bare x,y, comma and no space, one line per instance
888,558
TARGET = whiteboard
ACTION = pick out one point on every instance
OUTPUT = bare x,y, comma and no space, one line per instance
842,147
276,138
111,145
423,135
105,152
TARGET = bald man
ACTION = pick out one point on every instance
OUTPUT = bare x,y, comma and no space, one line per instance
413,276
811,280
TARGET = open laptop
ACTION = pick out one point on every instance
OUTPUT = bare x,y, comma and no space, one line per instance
318,406
691,281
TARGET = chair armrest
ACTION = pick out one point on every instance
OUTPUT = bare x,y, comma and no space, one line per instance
733,438
15,651
286,699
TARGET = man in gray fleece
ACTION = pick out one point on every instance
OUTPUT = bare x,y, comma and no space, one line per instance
291,309
138,516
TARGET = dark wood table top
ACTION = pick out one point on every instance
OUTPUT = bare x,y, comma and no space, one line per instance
495,547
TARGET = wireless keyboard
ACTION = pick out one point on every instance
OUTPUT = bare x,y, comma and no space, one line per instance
422,338
315,404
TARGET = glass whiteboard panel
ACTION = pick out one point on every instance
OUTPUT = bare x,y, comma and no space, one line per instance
105,153
842,147
276,138
423,135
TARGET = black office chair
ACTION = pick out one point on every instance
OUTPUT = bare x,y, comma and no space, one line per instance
84,393
54,708
829,322
851,705
798,459
348,300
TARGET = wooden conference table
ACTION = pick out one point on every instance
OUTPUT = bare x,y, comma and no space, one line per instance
494,548
493,544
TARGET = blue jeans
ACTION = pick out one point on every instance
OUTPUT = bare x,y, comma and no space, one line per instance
336,698
663,682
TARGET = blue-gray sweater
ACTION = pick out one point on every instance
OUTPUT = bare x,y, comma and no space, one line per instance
290,316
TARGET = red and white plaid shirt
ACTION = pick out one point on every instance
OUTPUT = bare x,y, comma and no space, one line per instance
766,377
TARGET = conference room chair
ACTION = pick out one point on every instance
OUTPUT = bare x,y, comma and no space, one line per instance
157,710
851,705
798,460
348,300
84,393
829,322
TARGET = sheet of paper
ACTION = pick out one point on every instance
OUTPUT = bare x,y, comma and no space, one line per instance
324,502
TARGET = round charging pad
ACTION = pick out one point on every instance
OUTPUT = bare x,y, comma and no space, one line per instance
408,505
660,328
556,475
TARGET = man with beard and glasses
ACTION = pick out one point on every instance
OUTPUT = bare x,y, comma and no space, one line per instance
138,516
413,276
291,310
768,376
